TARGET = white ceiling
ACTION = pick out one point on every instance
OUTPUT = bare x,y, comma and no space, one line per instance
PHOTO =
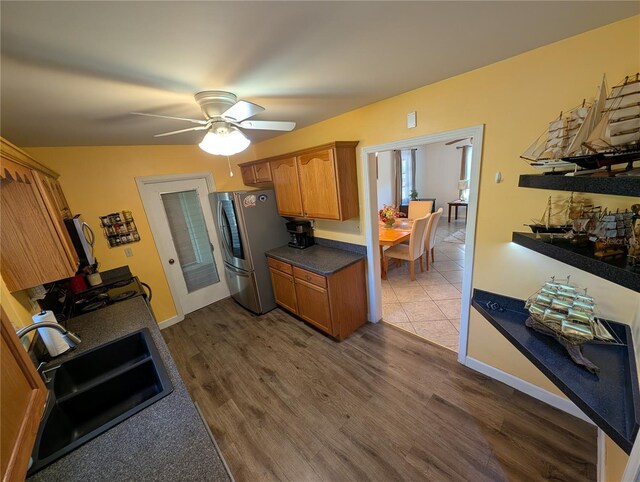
72,71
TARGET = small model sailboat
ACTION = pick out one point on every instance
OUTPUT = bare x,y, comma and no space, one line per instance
550,149
554,221
615,137
560,310
611,232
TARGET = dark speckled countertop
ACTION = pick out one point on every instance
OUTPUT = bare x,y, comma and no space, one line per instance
165,441
318,259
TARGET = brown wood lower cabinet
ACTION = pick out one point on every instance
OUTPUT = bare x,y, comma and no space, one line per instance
23,396
284,290
336,303
313,305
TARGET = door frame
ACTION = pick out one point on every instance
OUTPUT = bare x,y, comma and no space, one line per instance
142,182
368,175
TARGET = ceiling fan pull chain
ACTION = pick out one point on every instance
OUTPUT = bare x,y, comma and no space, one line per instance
230,170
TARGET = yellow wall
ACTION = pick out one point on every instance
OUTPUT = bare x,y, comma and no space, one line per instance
101,180
16,305
515,99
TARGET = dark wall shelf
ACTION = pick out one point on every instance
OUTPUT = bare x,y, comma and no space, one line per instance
616,270
621,185
611,399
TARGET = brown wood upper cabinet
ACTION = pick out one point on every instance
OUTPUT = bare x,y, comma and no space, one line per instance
320,182
256,173
286,185
53,193
23,397
36,247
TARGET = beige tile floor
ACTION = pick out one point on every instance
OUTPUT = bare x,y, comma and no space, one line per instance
430,305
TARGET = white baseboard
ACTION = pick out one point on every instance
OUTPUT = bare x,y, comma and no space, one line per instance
530,389
170,322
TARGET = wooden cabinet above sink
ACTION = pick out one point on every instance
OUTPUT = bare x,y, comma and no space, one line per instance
319,183
36,247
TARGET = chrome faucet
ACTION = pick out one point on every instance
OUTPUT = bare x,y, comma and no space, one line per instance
71,338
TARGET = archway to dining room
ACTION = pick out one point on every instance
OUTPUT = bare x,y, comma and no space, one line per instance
441,172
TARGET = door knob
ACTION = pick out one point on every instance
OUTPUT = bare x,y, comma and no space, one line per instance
171,261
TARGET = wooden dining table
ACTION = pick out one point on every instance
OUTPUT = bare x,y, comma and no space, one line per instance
401,231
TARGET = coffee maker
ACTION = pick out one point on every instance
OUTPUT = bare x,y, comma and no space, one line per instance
301,234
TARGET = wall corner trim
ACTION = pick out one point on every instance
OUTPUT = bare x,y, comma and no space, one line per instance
530,389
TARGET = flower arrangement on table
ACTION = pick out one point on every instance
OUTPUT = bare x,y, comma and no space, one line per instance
389,214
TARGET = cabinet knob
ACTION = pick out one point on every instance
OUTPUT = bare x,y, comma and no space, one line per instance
171,261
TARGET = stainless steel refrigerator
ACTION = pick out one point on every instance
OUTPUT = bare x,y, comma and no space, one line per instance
248,224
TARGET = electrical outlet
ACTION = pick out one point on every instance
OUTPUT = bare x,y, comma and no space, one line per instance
128,252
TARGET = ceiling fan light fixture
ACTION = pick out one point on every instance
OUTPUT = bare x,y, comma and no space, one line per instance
224,140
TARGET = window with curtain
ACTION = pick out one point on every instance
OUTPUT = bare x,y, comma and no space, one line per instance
407,179
191,239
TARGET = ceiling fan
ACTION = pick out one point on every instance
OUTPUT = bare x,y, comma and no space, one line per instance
224,115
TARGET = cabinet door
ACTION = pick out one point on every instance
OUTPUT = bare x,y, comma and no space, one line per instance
248,175
285,182
318,185
53,193
283,290
36,248
262,172
22,397
313,305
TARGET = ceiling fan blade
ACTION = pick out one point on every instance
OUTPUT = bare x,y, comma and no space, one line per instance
202,128
268,125
453,142
242,110
195,121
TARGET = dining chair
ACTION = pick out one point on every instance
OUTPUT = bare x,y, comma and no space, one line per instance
430,238
413,250
419,209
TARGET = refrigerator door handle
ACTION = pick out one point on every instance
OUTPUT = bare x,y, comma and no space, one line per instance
224,230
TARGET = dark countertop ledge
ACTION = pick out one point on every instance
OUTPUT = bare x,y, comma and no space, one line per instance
166,441
611,400
318,259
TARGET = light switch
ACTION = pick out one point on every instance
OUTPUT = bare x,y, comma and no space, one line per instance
411,120
128,252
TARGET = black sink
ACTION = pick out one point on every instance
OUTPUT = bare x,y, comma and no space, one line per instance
93,392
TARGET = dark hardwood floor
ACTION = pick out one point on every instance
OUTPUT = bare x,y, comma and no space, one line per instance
287,403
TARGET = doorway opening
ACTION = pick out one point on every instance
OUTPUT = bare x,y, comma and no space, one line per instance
443,169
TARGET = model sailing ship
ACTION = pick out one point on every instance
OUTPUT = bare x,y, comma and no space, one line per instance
615,139
548,223
550,149
593,135
611,234
560,310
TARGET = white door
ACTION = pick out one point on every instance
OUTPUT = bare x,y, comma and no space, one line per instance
182,224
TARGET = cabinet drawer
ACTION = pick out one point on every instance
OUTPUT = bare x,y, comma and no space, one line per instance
279,265
309,277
